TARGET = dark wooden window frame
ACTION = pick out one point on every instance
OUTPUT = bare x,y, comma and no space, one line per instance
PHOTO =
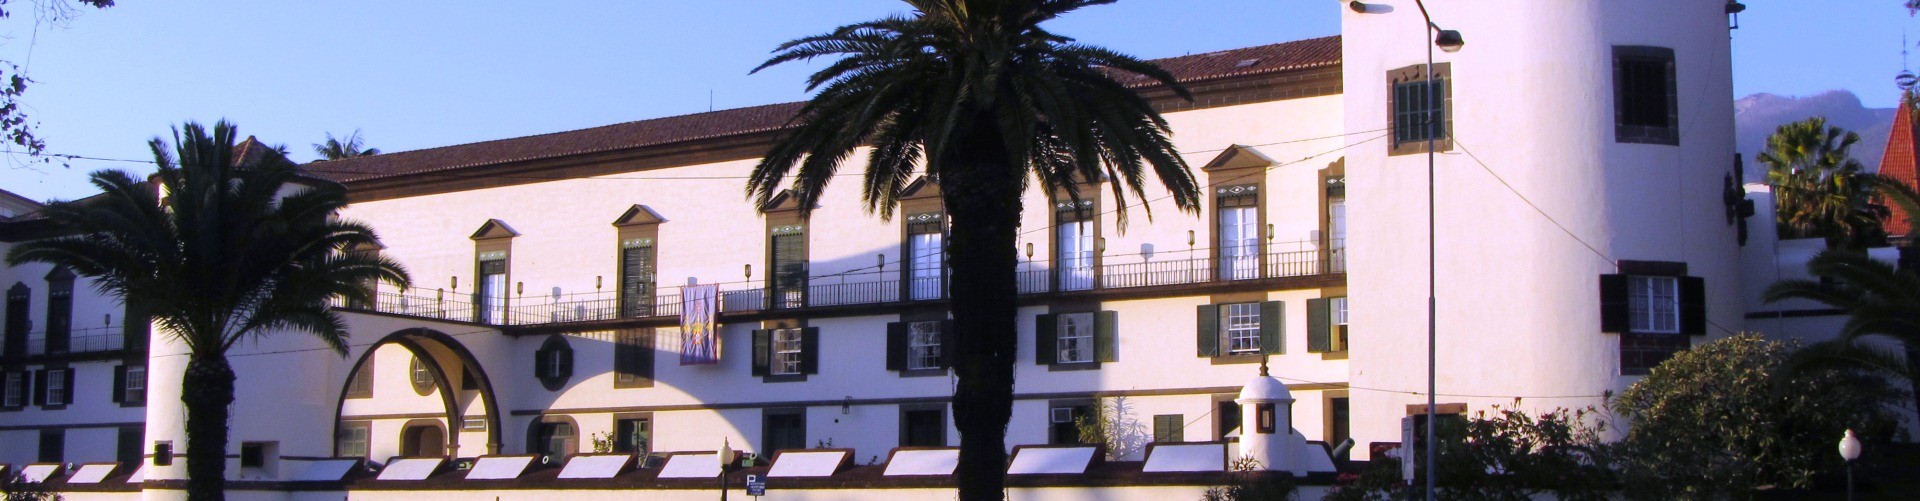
1064,208
1640,351
360,383
766,429
763,351
637,228
1221,420
553,377
634,357
1106,337
59,318
537,443
621,440
910,408
492,242
1211,334
415,365
1625,56
26,389
899,342
1443,72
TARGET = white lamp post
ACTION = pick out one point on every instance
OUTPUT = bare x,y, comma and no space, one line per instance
726,454
1850,451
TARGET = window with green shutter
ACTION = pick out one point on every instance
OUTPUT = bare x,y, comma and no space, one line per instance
633,358
636,278
1076,339
1246,329
1169,428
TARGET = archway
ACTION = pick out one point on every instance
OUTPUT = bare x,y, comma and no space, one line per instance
442,355
423,438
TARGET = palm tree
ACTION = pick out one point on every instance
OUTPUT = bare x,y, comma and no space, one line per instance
218,253
1819,190
337,148
1882,302
988,98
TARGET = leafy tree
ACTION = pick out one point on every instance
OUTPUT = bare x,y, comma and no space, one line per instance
990,100
1882,302
231,252
1819,190
1248,481
1508,455
1707,423
343,148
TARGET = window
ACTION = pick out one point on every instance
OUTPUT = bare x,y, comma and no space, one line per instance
926,267
787,349
1073,244
1327,325
633,435
1239,329
14,394
1263,415
57,389
1645,106
553,363
59,310
636,278
1239,232
1337,212
130,385
1420,106
127,446
1073,340
420,375
789,258
360,384
783,429
1654,304
923,426
53,445
554,440
491,299
1339,415
19,298
1226,417
923,346
473,424
352,439
633,358
1169,428
786,354
1063,420
253,454
919,347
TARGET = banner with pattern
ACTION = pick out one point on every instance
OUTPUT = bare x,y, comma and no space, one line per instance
699,325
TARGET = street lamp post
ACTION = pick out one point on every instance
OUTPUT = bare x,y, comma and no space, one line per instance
726,454
1850,451
1450,41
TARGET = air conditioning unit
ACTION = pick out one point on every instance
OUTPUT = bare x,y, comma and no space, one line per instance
1063,415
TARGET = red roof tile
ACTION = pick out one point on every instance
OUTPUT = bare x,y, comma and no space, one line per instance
1901,162
1289,56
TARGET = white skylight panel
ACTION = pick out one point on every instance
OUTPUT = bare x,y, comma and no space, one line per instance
1186,457
410,469
807,464
597,466
1045,460
691,466
923,462
91,474
499,468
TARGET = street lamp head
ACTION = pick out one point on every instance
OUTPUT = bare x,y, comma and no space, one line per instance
726,452
1849,447
1449,41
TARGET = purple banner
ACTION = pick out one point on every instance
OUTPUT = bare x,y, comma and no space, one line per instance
699,325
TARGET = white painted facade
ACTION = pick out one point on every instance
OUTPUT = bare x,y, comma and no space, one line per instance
1537,200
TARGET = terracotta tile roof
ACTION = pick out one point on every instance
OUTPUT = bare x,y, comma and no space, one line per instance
1304,54
1902,161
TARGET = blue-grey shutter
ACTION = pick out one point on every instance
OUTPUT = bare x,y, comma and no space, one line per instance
810,350
1693,306
1207,333
761,347
1046,341
1614,314
1271,333
896,346
1319,327
1106,336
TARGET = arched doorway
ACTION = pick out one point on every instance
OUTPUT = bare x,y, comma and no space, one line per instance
423,438
454,382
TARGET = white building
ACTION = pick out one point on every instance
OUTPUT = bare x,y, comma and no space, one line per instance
1581,230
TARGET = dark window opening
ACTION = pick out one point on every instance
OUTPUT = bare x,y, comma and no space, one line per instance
253,455
1645,104
53,446
555,440
127,447
1419,111
633,435
636,281
789,278
784,430
59,311
360,384
19,298
1169,428
1338,417
923,428
633,358
490,300
1226,413
1064,422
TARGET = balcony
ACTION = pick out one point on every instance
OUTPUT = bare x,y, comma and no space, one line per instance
1184,272
76,341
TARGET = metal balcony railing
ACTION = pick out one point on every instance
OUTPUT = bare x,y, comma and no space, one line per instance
86,340
1117,272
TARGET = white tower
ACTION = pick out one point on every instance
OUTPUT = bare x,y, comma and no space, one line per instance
1585,144
1266,424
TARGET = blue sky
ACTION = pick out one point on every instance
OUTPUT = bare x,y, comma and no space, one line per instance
415,75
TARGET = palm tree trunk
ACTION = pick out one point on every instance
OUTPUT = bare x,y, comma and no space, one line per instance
1913,376
982,195
207,391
